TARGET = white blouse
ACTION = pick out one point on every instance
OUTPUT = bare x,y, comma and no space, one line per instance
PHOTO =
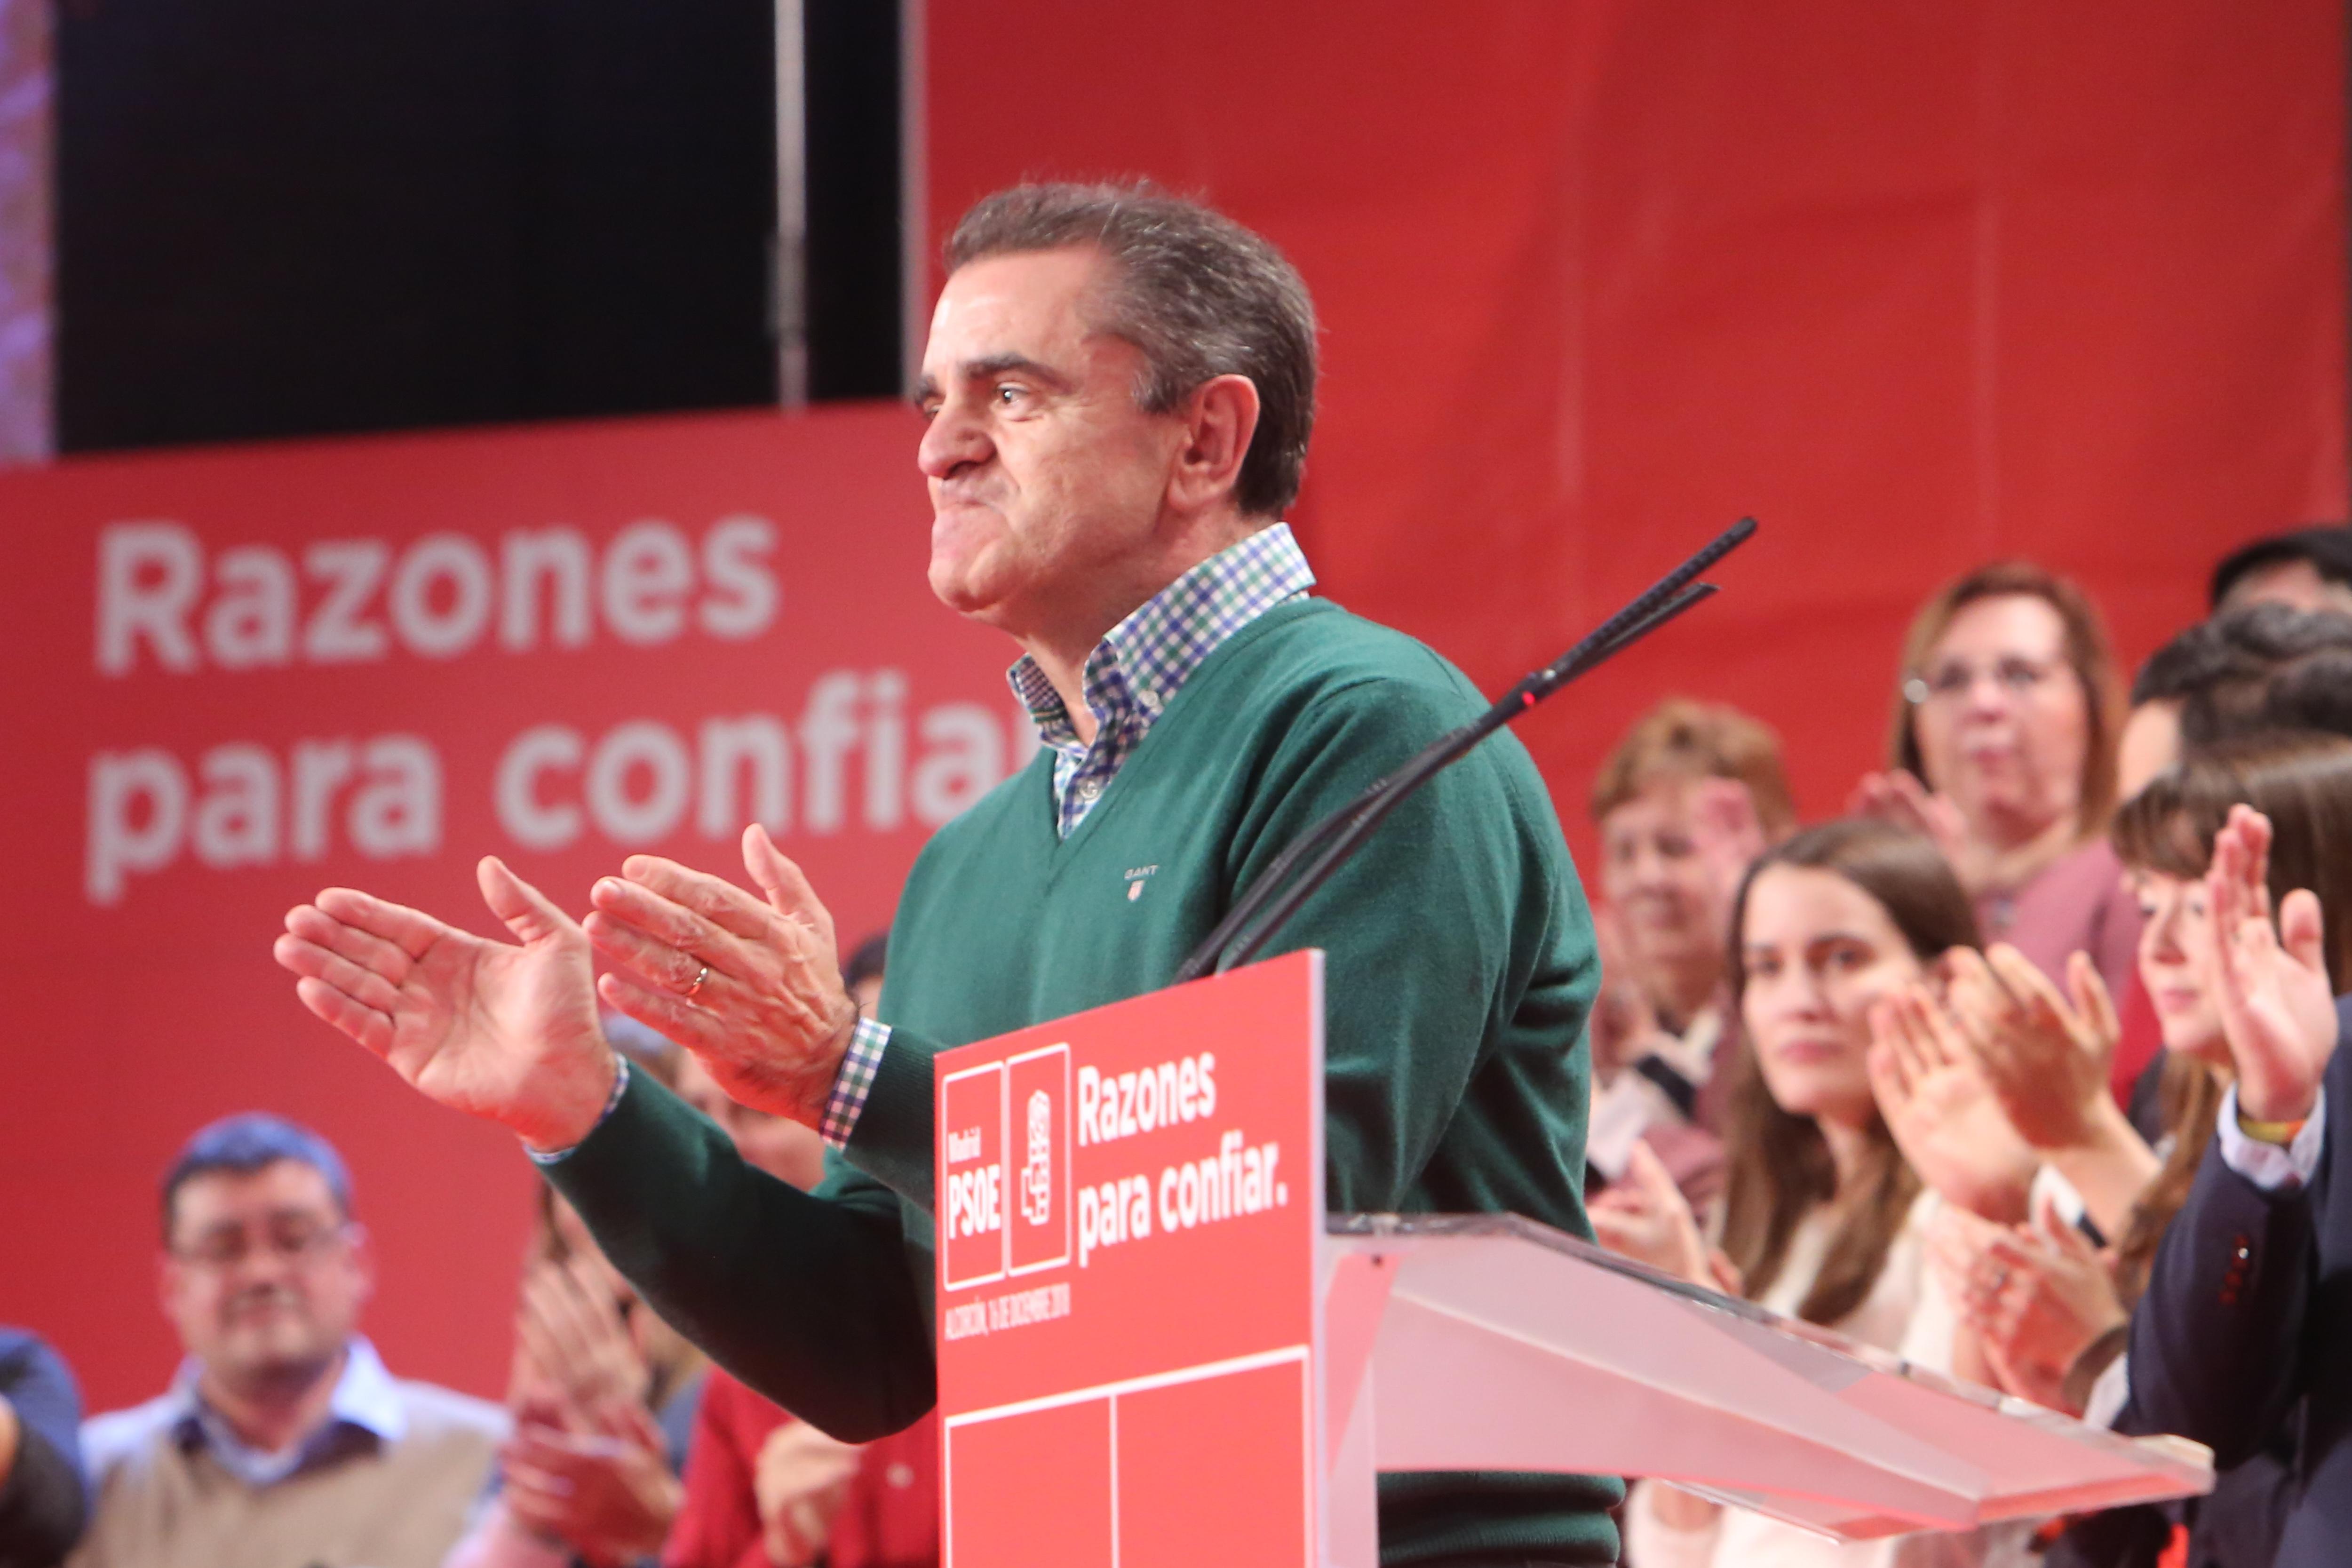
1905,1312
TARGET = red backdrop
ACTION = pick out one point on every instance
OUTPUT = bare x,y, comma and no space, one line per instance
1916,286
579,642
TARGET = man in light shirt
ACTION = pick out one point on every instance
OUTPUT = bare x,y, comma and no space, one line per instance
282,1442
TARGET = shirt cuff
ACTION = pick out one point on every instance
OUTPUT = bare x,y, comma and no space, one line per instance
620,1085
854,1082
2109,1395
2271,1166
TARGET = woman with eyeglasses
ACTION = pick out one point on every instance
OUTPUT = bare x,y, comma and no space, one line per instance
2003,751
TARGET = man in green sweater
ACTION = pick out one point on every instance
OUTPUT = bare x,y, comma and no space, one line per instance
1118,390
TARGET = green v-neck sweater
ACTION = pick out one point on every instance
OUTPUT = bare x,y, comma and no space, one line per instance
1460,970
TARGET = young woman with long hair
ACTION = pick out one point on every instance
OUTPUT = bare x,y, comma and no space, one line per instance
1822,1218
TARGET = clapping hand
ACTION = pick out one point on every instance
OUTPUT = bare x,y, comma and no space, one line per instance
495,1029
1727,834
1897,797
2046,1062
2277,1006
750,986
585,1464
1941,1111
802,1482
570,1327
2037,1296
1645,1217
607,1493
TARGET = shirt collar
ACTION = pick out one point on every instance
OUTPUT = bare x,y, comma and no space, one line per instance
1144,659
365,1401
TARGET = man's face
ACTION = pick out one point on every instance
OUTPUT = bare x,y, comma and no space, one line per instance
264,1276
1046,479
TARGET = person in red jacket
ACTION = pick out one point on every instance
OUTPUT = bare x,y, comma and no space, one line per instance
765,1491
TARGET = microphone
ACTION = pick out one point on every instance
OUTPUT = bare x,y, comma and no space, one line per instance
1277,895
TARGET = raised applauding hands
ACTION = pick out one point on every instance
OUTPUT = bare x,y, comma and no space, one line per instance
1898,797
2278,1009
750,986
1645,1217
1940,1110
2047,1063
491,1028
802,1479
585,1464
569,1331
609,1494
509,1032
2037,1296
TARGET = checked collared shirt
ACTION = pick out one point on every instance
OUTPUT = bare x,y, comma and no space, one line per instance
1129,678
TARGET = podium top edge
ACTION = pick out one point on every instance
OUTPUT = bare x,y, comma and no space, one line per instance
1361,1234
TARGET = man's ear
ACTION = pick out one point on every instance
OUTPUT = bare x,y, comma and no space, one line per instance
1220,417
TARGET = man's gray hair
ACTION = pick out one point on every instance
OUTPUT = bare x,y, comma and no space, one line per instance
1199,294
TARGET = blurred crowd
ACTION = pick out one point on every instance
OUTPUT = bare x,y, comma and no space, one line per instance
283,1438
2015,1070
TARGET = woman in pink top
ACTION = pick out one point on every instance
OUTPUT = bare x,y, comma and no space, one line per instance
2003,746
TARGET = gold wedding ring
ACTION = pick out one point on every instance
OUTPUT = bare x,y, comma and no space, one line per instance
691,991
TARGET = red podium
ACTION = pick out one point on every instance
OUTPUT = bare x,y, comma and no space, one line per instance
1154,1350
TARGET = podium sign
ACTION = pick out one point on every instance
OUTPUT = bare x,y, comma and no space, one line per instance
1153,1354
1129,1202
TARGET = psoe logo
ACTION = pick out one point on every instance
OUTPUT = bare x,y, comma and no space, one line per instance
973,1164
1037,1146
1037,1170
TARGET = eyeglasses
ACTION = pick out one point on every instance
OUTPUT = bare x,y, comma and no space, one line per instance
1952,680
296,1244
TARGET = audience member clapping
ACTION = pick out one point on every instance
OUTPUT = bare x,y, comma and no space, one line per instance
2051,1316
2039,1298
2003,751
603,1394
591,1472
2044,1059
2046,1056
762,1488
1822,1218
2233,1343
